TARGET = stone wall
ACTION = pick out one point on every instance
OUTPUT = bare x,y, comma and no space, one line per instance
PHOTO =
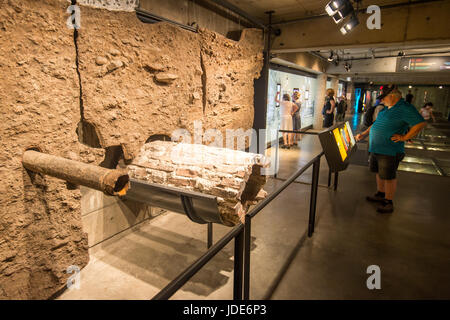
137,80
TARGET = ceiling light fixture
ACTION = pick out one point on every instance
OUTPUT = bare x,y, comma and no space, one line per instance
347,67
331,57
336,61
333,6
342,13
350,24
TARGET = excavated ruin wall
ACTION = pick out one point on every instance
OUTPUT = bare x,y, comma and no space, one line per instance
141,79
137,80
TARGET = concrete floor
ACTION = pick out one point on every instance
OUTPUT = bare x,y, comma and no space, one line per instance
411,246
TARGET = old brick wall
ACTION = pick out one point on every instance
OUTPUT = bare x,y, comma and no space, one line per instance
232,176
137,80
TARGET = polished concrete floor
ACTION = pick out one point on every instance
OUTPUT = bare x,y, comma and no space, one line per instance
411,246
428,153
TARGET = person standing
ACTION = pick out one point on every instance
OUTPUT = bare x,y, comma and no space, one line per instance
409,97
387,138
328,109
340,109
286,111
427,112
296,120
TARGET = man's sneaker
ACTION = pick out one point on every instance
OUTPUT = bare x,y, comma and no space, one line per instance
375,198
386,207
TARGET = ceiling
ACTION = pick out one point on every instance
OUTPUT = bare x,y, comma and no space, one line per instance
286,10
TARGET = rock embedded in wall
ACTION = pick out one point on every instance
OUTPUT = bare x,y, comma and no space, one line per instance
234,177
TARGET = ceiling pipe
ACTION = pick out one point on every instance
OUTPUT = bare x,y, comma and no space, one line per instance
240,12
148,17
397,56
318,56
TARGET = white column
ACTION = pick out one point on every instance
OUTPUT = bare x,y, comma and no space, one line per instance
319,101
335,87
351,103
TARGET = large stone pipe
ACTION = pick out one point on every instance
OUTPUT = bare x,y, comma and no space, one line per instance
109,181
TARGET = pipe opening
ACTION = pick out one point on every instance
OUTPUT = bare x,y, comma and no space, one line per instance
88,134
158,137
114,158
122,185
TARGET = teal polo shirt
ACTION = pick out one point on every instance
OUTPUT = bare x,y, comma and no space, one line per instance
390,121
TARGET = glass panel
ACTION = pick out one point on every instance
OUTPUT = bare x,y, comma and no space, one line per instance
307,88
418,168
417,160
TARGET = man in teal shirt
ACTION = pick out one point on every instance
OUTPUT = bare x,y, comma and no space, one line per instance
398,122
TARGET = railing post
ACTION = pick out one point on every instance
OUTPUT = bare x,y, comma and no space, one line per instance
210,234
313,200
247,247
336,176
238,265
329,178
277,143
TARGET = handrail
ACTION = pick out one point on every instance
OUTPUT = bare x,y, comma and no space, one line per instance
291,179
189,272
242,236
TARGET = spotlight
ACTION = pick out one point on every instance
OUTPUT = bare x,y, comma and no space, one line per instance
334,5
410,87
350,25
336,61
401,53
347,67
343,12
440,87
331,58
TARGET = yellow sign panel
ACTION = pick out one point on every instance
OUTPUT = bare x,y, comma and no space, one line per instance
339,142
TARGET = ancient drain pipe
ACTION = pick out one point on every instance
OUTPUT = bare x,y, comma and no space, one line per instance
110,181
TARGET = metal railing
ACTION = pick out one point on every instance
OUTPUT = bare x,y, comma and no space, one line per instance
242,236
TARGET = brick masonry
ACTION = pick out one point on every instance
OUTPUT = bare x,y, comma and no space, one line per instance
234,177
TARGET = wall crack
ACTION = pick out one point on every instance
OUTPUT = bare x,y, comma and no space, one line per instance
86,131
204,87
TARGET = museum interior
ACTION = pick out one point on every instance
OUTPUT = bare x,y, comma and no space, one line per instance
181,150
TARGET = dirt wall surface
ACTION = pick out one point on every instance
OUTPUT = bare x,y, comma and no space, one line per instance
145,79
40,222
137,80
